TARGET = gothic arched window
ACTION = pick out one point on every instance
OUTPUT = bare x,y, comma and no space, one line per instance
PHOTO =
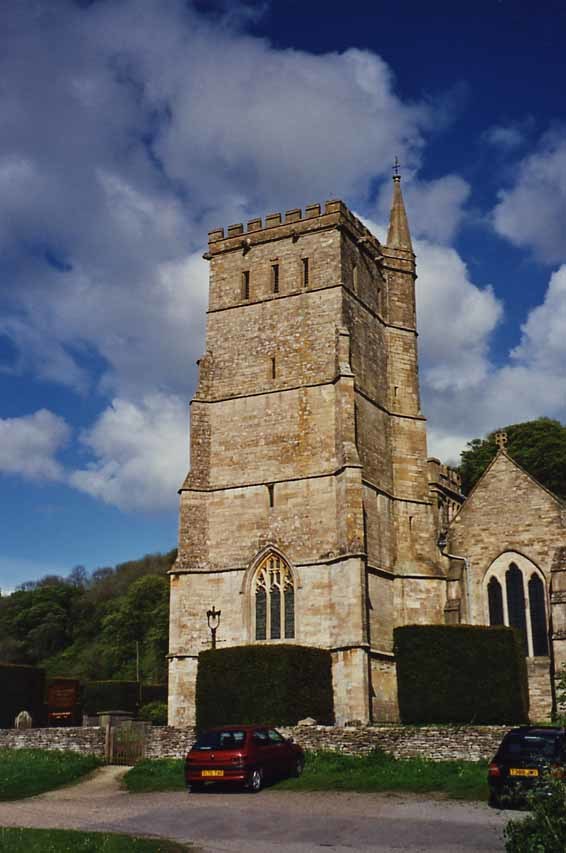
514,602
495,600
538,616
274,594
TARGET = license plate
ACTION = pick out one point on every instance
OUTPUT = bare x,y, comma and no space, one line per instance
522,771
212,773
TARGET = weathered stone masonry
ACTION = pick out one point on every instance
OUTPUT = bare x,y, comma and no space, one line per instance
307,440
308,446
468,743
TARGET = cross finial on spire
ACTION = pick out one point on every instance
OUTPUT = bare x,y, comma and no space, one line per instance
501,439
396,170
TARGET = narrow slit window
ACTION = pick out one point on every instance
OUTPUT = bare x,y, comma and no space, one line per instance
275,278
305,272
273,367
246,284
271,494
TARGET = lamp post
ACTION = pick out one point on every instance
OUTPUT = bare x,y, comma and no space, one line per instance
213,619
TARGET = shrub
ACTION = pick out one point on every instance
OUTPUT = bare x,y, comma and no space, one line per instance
275,685
22,689
153,693
460,674
154,712
110,696
544,829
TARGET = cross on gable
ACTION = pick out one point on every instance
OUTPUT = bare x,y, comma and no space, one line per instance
501,439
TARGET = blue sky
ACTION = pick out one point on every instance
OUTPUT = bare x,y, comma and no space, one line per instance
129,129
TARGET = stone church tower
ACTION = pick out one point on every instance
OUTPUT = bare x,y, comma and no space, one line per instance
306,516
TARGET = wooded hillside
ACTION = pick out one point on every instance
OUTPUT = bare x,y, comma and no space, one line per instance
87,625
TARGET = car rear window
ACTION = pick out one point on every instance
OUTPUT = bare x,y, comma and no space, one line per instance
535,745
225,739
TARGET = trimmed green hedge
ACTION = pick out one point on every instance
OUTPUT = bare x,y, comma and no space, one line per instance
274,685
120,695
22,688
461,674
154,693
110,696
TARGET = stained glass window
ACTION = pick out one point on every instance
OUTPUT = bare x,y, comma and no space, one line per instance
260,614
516,602
495,600
538,616
274,600
511,601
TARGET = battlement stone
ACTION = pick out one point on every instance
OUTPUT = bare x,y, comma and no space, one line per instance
293,223
443,475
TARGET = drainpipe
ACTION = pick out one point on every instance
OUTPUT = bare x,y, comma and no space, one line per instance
442,542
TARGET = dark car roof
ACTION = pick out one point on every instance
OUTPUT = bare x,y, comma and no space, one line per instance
245,727
542,731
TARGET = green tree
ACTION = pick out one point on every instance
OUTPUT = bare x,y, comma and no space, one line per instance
539,446
87,626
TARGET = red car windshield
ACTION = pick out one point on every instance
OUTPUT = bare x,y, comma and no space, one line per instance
224,739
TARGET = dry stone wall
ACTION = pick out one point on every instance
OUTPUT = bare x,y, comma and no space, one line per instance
446,743
83,740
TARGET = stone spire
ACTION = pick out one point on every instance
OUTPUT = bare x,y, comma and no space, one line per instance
398,236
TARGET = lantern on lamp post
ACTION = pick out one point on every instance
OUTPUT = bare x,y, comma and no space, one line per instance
213,619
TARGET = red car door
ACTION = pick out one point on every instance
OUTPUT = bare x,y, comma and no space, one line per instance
280,753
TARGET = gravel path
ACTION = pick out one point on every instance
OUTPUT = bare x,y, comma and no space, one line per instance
282,821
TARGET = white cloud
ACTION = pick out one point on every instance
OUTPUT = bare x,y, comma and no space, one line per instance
446,445
456,320
529,384
141,453
508,137
158,123
29,444
532,213
543,342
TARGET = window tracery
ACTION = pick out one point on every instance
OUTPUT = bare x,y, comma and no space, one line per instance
516,597
274,594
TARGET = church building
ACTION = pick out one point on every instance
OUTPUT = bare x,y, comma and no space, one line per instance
311,513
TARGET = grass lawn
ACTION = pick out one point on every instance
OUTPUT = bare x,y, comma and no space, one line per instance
70,841
335,771
25,772
157,774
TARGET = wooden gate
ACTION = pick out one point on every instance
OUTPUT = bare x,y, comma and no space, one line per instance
125,744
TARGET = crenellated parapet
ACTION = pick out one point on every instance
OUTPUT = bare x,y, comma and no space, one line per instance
293,223
445,476
445,487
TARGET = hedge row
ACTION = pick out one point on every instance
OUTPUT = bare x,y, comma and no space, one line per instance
22,688
461,674
120,695
279,684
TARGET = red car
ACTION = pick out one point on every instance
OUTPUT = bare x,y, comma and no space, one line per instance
246,755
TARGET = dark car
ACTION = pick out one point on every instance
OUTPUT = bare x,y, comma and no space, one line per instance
527,757
245,755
